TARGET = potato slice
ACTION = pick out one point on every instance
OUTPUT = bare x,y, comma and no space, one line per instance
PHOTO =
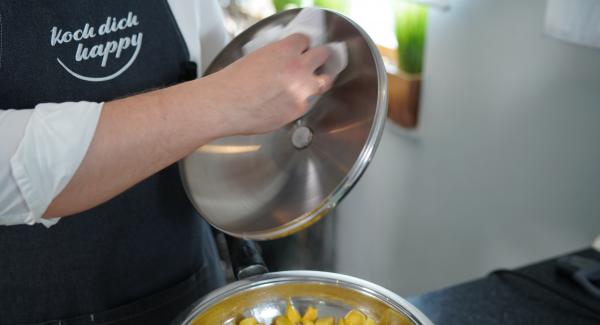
292,314
341,322
355,317
308,322
310,314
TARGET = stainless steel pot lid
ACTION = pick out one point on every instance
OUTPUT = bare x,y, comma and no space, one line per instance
271,185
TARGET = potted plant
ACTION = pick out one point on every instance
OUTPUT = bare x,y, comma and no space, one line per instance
342,6
405,84
281,5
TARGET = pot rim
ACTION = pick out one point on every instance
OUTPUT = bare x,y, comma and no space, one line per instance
269,279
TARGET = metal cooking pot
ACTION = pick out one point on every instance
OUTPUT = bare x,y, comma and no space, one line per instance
264,187
265,297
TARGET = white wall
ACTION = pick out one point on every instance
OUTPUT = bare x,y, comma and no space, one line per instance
504,168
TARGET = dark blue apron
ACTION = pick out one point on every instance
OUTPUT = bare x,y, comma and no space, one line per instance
143,256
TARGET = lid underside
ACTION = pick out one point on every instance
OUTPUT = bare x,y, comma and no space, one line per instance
270,185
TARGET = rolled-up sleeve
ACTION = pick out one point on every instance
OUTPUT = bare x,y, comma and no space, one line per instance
42,149
213,36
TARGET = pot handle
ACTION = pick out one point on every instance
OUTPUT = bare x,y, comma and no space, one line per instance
246,260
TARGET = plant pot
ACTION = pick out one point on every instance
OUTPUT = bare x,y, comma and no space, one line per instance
403,99
404,92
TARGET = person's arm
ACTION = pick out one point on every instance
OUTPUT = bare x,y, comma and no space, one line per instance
140,135
40,150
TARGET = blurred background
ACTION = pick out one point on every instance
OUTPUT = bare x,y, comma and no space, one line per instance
491,155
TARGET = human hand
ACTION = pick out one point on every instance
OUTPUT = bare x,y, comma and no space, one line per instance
271,87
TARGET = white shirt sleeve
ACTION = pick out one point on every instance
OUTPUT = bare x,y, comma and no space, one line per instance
213,36
42,149
203,29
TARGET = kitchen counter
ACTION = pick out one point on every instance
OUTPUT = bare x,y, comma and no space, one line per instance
505,298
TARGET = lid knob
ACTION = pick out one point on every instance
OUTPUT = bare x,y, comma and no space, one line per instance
302,137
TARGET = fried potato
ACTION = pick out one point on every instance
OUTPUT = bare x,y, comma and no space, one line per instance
311,314
292,314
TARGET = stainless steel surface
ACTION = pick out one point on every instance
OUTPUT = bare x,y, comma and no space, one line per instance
265,297
313,248
266,186
302,137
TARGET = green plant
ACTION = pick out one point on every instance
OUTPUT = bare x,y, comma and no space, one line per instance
411,30
338,5
283,4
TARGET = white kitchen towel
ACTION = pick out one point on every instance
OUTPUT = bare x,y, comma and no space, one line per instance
309,22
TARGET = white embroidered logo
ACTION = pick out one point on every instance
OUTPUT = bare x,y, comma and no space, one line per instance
102,51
